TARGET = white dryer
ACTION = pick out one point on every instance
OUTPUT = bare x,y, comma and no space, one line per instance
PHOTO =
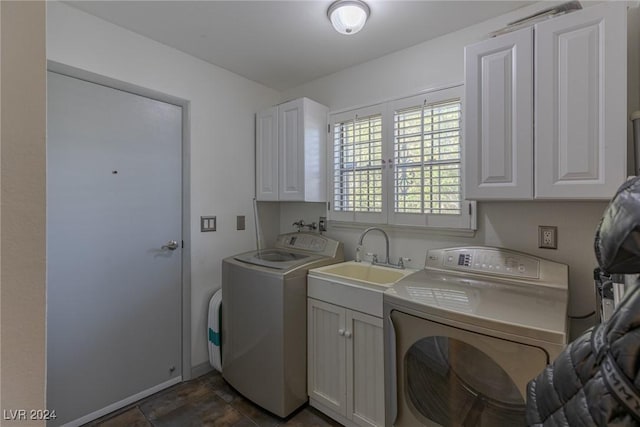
264,319
465,335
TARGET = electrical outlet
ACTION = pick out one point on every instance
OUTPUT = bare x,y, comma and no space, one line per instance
547,237
322,224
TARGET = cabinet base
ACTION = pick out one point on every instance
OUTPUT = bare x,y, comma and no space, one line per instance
334,415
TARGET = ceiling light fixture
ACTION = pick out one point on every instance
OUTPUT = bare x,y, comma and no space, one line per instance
348,16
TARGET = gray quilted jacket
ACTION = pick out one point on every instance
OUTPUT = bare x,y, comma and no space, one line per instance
596,380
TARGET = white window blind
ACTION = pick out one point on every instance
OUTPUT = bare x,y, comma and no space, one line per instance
400,163
358,180
426,174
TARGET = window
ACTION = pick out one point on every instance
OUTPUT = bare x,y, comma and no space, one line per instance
420,137
358,166
358,157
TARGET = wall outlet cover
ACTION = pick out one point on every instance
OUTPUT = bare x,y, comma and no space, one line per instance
547,237
322,224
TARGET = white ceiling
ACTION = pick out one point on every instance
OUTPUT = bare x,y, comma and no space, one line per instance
283,44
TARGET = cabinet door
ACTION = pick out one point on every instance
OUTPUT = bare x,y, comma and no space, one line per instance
326,355
267,154
291,150
498,131
581,102
365,369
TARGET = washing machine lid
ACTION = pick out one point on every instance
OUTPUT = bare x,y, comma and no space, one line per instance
293,250
276,258
513,308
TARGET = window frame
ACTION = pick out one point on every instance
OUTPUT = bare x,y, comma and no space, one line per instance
466,220
355,216
461,220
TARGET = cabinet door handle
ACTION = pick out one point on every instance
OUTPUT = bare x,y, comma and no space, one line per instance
347,334
341,332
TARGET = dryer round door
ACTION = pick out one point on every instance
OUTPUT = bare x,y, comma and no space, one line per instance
450,376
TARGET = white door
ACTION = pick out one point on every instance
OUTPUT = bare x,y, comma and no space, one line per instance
326,355
291,150
581,104
267,154
365,369
498,113
113,292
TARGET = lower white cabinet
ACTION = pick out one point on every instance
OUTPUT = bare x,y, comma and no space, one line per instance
345,364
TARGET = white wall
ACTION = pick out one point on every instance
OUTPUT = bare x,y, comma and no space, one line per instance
513,225
431,64
222,107
22,226
222,131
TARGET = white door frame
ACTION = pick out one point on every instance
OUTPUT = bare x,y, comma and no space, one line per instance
88,76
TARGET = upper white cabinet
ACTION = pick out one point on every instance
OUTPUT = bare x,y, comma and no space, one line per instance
545,112
291,152
498,120
581,103
267,154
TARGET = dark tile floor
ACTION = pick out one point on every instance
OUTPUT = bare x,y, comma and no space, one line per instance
205,401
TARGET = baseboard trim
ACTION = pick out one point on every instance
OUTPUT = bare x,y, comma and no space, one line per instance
201,369
121,404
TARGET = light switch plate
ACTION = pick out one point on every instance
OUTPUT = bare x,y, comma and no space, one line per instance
207,223
240,222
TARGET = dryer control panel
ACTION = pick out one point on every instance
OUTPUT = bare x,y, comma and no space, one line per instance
492,261
498,262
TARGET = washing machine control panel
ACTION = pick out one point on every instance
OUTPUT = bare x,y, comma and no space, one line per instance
308,242
305,242
485,260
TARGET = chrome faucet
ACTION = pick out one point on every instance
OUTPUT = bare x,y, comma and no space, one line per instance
386,241
375,261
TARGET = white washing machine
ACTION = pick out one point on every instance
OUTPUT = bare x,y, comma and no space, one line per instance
264,319
465,335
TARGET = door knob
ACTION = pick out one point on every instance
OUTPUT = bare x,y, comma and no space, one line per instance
172,245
